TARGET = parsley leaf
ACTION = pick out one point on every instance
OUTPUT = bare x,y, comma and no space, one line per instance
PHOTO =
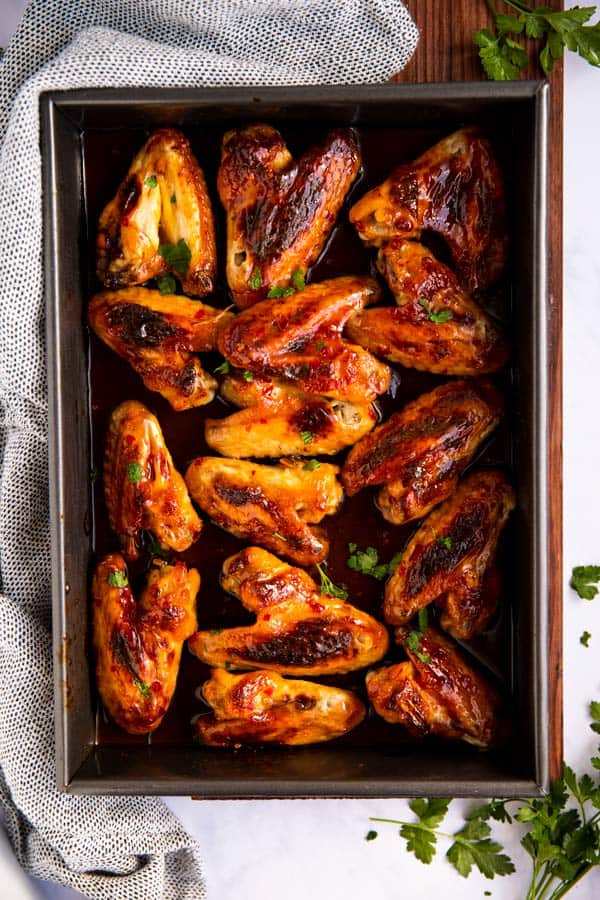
367,562
320,345
298,279
473,847
438,318
280,292
420,841
328,587
166,284
444,541
370,835
582,581
222,368
134,472
311,464
585,639
255,279
501,57
143,688
248,375
117,579
177,256
151,181
307,437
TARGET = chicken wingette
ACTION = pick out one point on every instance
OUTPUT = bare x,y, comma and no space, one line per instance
268,505
160,220
421,451
298,630
447,559
156,334
298,339
436,327
142,488
138,643
262,707
439,692
279,212
454,189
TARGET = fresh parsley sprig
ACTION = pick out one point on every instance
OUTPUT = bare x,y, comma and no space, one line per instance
367,562
503,58
584,580
328,587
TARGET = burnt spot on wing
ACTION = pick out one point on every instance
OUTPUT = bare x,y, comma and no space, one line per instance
315,418
129,196
139,326
239,496
307,644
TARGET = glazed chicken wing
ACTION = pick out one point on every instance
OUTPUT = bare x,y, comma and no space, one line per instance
262,707
159,220
279,212
438,692
298,630
436,326
454,189
142,487
268,505
277,422
138,644
447,559
298,339
155,334
420,452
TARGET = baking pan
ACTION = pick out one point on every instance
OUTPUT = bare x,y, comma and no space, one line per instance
88,140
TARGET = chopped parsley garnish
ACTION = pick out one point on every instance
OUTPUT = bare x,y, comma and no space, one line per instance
298,280
134,472
370,835
222,369
584,580
328,587
150,181
143,688
279,536
177,256
438,318
413,641
280,292
248,376
255,280
173,198
117,579
320,346
166,284
585,639
215,631
152,546
311,464
367,562
307,437
444,541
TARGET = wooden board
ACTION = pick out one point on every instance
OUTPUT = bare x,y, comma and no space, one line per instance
446,53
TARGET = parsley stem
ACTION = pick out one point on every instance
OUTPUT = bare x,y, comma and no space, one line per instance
490,5
520,7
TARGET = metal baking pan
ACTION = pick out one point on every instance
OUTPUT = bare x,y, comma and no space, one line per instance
87,134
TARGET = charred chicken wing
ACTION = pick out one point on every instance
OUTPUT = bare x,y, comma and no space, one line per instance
298,630
454,189
160,220
142,488
447,559
262,707
436,326
279,212
420,452
298,339
268,505
138,644
437,692
155,334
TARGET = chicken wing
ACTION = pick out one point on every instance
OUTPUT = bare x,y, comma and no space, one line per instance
142,487
159,220
420,452
298,630
279,212
454,189
297,339
269,505
436,327
155,334
439,693
447,558
138,645
262,707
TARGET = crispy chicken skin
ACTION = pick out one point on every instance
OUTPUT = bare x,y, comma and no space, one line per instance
162,200
279,212
138,644
142,487
454,189
268,505
262,707
298,630
444,696
447,559
436,326
420,452
155,334
276,422
298,339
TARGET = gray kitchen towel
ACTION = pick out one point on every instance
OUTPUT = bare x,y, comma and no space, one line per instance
119,848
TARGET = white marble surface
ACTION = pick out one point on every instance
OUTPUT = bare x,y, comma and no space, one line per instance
266,850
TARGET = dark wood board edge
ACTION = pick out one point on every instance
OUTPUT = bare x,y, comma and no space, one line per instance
451,25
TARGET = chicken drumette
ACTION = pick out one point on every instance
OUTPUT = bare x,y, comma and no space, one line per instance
279,212
298,630
446,561
138,644
420,452
262,707
160,220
